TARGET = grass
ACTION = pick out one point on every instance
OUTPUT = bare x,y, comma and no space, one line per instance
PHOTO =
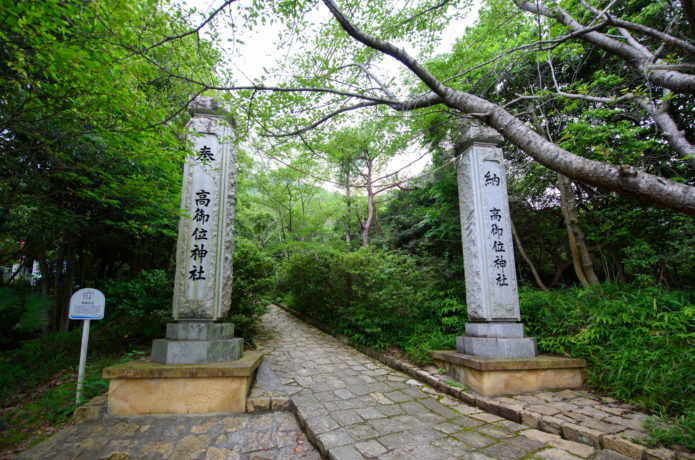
38,384
32,416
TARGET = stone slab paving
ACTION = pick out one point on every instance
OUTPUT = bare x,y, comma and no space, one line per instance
612,427
354,407
271,436
577,415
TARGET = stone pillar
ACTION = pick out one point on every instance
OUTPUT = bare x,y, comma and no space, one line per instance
203,282
493,329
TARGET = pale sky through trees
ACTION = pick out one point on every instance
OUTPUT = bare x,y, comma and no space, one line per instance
258,50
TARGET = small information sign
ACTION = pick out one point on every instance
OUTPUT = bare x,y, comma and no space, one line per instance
87,303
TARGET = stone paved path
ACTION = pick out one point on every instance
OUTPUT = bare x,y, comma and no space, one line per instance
274,436
353,407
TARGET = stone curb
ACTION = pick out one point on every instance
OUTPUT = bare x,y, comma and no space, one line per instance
513,412
260,401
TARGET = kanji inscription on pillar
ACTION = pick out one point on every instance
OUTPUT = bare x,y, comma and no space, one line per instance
491,285
203,283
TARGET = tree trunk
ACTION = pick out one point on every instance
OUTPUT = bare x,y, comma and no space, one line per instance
43,267
370,204
619,270
349,209
67,289
529,262
559,270
57,297
583,265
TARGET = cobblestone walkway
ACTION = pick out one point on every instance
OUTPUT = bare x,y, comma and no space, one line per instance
274,436
354,407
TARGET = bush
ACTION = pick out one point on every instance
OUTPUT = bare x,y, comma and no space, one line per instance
21,313
377,298
253,279
140,308
639,341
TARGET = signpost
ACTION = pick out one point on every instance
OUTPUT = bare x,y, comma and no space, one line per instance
85,304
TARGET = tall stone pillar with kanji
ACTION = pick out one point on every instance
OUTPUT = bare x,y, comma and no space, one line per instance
493,328
203,280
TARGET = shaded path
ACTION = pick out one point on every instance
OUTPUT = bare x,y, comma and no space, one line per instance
353,407
274,436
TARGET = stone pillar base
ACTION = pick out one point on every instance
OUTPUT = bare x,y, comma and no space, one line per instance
197,343
497,347
496,339
147,388
506,376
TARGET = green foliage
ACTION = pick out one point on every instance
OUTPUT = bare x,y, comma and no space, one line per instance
664,434
253,279
377,298
456,384
639,341
50,391
138,309
21,312
35,360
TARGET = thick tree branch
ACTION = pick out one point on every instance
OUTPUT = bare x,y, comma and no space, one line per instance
634,27
634,57
623,179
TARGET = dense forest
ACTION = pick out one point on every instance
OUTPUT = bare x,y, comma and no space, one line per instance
594,99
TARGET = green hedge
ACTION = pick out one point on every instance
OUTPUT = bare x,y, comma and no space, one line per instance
639,343
377,298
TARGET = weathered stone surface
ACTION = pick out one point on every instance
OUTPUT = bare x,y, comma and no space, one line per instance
502,376
659,454
497,347
199,331
623,446
206,295
491,288
530,419
511,411
197,351
582,434
88,413
494,329
190,447
551,425
244,367
152,388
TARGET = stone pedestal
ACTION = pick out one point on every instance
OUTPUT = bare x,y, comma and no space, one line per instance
500,340
505,376
494,329
145,387
197,343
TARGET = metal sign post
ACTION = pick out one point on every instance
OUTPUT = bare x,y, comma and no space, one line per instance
85,304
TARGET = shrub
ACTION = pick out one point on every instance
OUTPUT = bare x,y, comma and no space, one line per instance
139,308
377,298
253,279
21,313
639,341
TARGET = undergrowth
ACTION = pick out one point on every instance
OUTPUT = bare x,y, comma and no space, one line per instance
639,342
47,402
